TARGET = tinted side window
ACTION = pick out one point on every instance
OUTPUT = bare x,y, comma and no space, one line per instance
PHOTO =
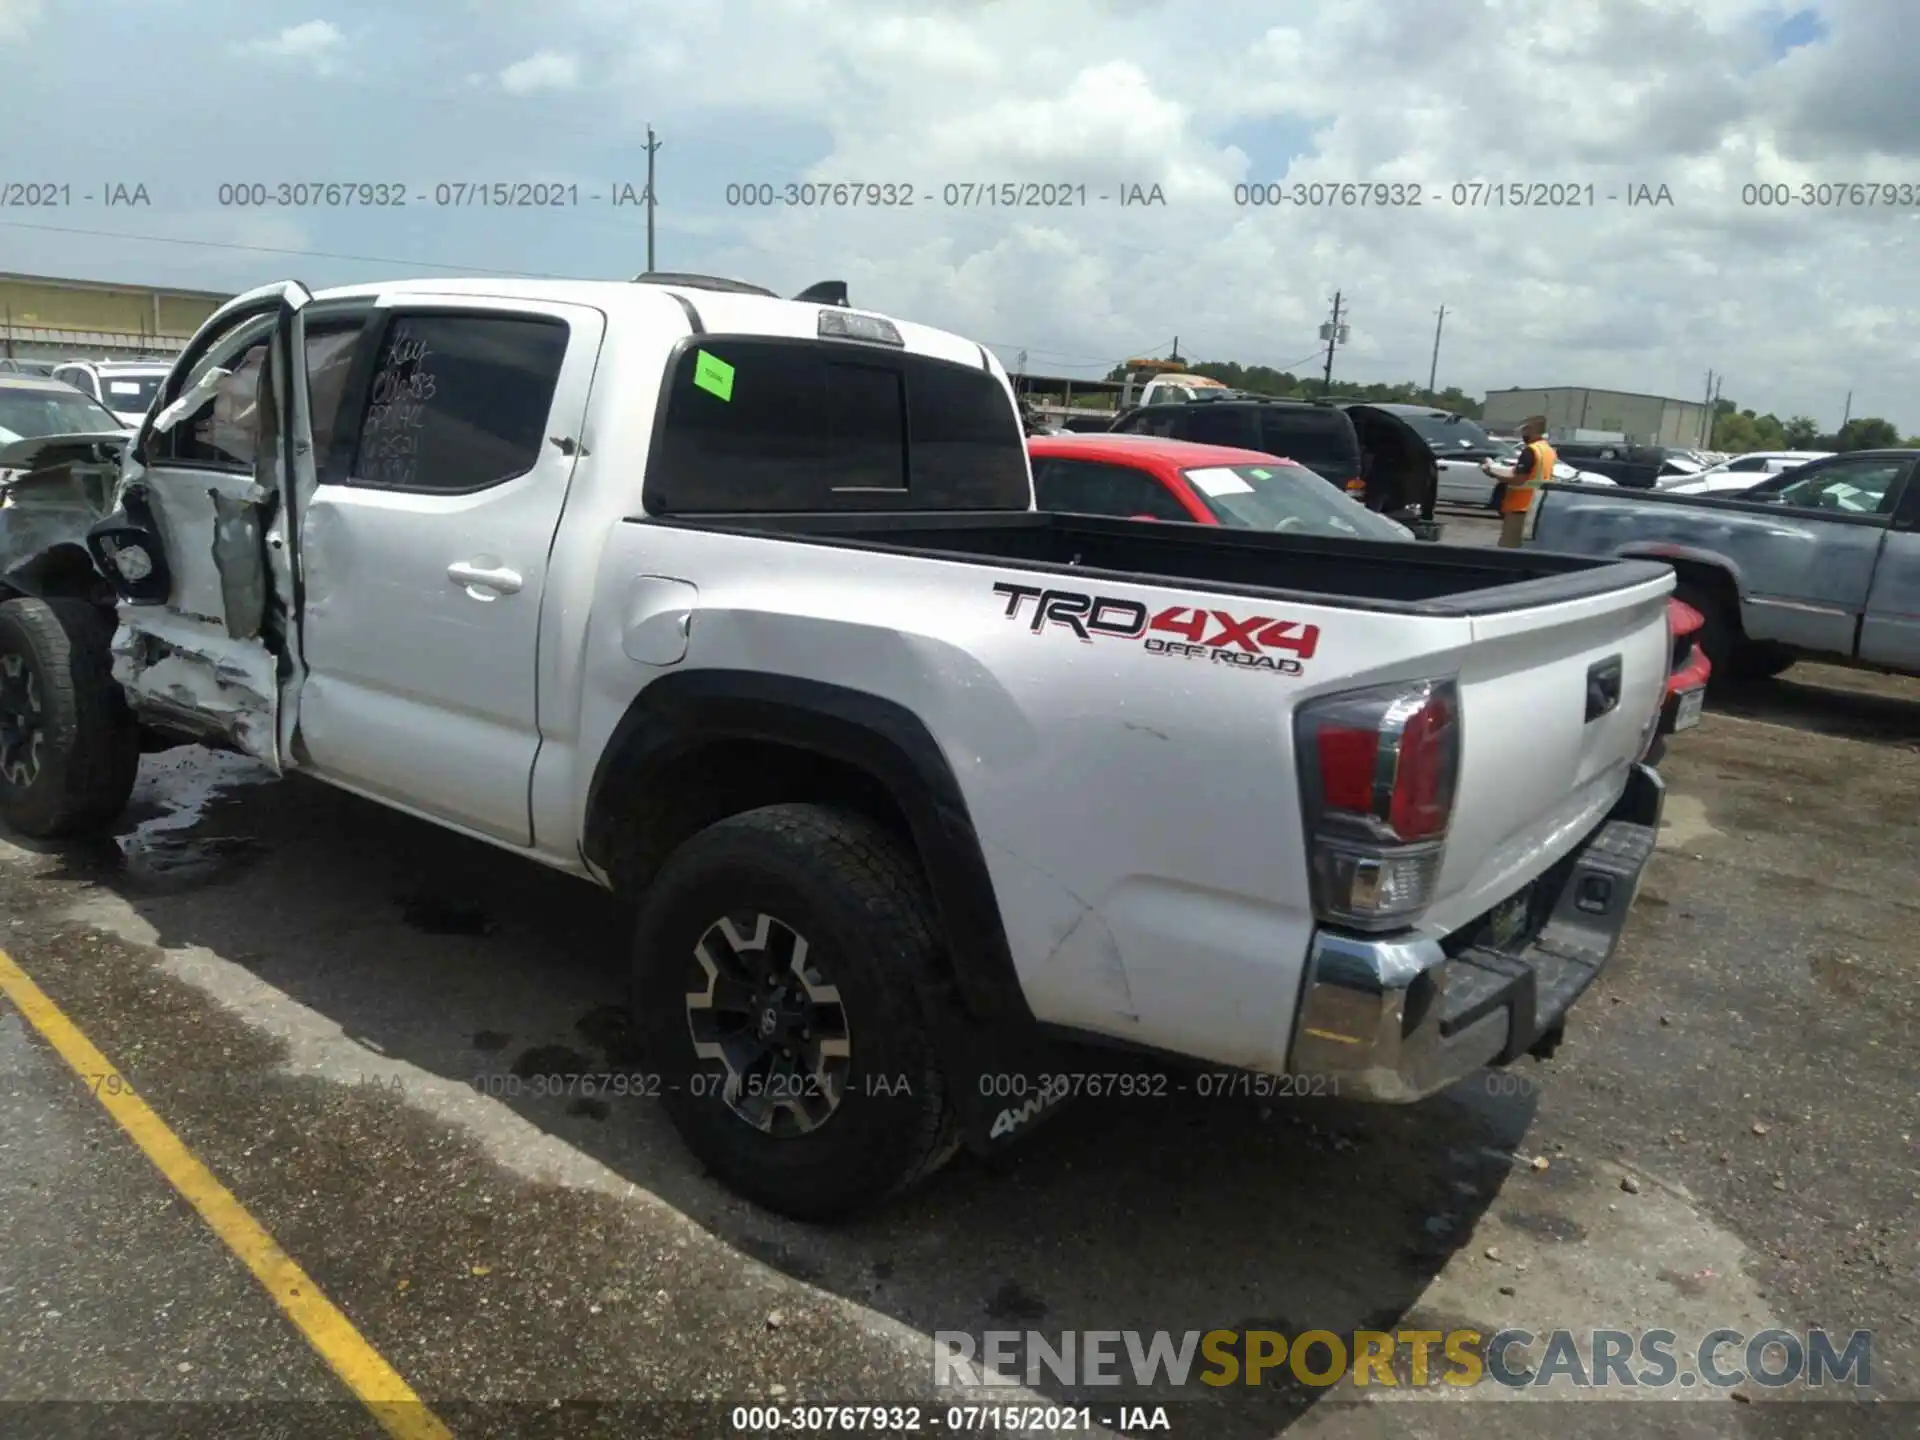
458,402
330,351
1088,487
1148,422
1207,425
761,424
1321,439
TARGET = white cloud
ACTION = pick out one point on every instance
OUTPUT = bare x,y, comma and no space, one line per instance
17,17
544,71
1798,305
1792,303
315,42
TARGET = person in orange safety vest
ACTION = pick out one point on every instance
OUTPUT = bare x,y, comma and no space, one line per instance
1534,467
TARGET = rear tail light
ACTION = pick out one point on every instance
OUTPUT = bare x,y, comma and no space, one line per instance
1650,732
1378,769
1683,627
1357,487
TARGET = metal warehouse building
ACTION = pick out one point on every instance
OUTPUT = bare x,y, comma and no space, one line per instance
1643,419
45,317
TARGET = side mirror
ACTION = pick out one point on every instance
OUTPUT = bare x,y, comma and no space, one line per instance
202,391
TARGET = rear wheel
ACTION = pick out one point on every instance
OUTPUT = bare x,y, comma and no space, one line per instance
779,966
1761,662
69,747
1733,656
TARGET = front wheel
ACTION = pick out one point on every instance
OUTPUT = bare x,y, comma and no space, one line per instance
780,963
69,747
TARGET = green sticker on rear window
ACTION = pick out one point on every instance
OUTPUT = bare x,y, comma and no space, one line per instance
1262,474
713,375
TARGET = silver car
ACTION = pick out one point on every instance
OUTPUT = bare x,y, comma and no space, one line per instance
32,408
126,387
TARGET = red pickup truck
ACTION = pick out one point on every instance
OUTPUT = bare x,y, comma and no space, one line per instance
1147,477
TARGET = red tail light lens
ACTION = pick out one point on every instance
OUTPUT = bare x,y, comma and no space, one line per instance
1378,770
1423,780
1348,759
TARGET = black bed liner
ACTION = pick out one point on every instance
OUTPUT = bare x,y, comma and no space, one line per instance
1383,575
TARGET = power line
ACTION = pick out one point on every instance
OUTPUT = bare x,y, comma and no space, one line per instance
652,146
1333,337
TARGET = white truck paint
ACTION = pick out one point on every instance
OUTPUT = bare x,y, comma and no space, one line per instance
1136,808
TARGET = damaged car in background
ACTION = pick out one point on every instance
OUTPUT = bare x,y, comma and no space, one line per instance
53,487
56,486
59,458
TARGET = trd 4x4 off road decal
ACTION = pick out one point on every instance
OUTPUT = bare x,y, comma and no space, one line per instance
1184,631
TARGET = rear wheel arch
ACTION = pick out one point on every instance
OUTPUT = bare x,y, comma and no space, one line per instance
700,746
1710,589
1715,593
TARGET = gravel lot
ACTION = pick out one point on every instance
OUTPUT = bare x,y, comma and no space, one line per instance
307,988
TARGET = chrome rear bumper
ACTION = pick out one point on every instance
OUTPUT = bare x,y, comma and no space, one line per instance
1396,1019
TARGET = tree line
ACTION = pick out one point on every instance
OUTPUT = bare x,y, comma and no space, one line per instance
1737,431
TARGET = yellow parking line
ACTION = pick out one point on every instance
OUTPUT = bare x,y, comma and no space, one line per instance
362,1368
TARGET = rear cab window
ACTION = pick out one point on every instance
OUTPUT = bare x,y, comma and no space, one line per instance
131,393
1101,487
756,423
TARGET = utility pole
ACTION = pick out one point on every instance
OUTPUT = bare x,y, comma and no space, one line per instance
1847,414
1333,333
1434,370
652,145
1706,420
1175,356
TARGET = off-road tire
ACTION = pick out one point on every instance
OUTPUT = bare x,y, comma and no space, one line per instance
858,897
91,751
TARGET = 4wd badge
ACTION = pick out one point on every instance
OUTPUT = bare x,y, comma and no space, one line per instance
1251,642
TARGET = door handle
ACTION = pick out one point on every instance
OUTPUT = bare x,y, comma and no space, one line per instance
1603,687
505,581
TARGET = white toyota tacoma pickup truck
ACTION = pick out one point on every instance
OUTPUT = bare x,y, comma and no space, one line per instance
739,606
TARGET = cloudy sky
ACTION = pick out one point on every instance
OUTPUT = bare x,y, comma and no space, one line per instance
1795,305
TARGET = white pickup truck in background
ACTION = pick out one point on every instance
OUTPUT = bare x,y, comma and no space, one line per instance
739,606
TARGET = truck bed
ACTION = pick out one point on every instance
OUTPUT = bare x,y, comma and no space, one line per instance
1154,781
1377,575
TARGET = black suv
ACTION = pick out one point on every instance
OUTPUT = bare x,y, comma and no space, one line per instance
1360,448
1637,466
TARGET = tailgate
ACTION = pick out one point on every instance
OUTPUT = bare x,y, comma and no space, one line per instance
1555,704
